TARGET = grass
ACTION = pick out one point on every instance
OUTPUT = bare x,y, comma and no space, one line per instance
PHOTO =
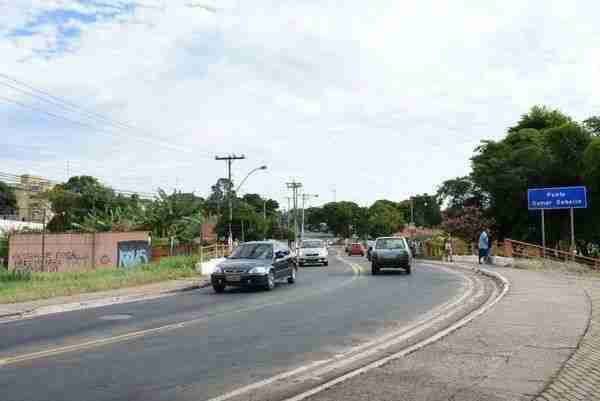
20,287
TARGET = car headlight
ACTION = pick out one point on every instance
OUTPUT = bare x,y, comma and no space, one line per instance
258,270
323,253
219,269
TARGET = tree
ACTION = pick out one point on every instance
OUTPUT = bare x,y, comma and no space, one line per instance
546,148
8,199
216,202
75,199
467,224
258,202
458,193
384,219
591,163
176,215
592,124
340,217
540,118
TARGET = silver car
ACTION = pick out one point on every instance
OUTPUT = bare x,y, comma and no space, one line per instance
391,253
313,251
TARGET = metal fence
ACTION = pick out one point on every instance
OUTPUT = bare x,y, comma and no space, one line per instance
524,250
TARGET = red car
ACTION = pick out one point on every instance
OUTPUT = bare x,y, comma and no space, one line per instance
356,249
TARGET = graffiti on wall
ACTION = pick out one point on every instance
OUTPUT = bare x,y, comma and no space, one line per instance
53,261
132,253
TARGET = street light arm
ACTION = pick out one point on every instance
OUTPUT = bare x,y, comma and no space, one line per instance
248,175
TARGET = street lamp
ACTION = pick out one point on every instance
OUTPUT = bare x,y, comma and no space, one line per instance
248,175
236,191
305,197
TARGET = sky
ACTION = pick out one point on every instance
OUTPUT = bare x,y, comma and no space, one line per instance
357,100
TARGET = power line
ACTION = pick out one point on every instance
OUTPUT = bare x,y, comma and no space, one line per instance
49,98
15,179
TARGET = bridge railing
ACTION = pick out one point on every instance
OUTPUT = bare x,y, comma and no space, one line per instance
519,249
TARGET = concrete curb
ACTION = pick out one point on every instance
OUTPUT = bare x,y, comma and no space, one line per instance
419,345
99,302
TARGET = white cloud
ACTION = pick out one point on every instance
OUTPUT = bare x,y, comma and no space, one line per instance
382,98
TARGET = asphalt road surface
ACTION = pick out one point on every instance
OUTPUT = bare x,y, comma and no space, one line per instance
225,341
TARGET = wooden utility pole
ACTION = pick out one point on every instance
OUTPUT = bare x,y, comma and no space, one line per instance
230,159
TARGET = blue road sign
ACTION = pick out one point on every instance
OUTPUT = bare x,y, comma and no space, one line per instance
557,198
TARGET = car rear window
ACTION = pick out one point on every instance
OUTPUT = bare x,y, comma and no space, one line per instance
312,244
390,243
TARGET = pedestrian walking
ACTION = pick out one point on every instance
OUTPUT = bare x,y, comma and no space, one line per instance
483,245
448,251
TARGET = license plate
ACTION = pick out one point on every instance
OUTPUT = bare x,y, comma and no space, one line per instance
233,277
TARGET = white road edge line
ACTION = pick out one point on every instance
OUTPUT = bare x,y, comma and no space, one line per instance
141,333
354,353
432,339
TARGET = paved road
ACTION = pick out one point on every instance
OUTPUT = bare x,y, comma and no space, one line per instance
228,340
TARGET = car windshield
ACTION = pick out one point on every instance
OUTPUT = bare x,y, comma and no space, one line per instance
253,251
390,243
312,244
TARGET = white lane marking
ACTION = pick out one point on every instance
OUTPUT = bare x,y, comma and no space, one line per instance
356,353
410,349
271,380
160,329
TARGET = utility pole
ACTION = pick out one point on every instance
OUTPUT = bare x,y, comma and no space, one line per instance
305,197
43,262
265,219
295,186
287,219
230,160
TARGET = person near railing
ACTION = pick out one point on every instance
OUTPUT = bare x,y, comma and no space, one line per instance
484,244
448,249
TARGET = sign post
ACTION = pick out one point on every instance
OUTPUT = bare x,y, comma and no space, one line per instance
543,236
557,198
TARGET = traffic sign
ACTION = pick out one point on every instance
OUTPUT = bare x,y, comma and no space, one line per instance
557,198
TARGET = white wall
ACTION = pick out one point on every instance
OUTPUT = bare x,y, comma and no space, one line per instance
10,225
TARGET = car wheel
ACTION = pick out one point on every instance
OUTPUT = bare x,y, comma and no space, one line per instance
270,281
374,269
292,277
408,269
219,288
325,263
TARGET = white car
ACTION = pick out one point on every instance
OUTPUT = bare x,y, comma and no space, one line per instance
313,251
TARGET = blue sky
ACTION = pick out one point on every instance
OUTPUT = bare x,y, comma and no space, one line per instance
377,99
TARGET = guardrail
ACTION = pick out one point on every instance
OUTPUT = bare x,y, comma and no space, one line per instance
519,249
213,251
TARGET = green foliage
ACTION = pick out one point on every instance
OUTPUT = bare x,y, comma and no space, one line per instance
176,215
384,219
458,193
8,199
591,163
592,124
540,118
249,221
19,287
545,148
75,199
3,249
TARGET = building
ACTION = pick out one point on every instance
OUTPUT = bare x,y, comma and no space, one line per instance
30,207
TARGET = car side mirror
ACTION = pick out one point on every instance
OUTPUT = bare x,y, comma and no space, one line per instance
370,248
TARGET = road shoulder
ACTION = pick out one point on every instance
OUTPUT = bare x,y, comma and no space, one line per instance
24,310
513,352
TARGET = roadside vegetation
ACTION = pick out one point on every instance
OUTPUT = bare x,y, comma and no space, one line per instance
20,287
545,148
